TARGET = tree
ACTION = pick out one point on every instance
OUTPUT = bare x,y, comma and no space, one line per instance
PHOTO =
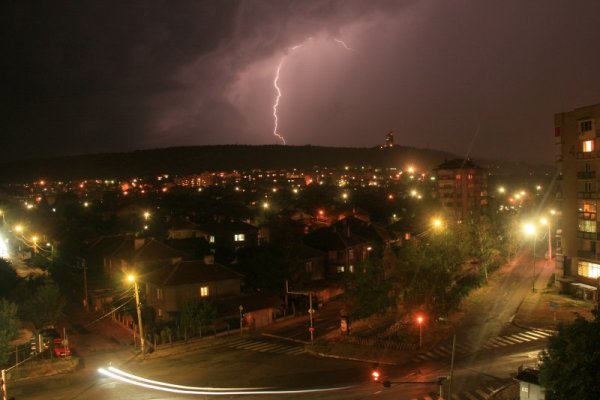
9,328
429,268
366,290
569,366
197,313
45,306
8,278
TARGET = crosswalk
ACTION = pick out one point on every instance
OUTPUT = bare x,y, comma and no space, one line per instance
493,343
481,393
266,347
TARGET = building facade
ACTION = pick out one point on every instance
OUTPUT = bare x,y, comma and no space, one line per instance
578,156
461,188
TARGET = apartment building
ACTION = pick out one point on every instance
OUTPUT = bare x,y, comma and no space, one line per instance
577,143
461,187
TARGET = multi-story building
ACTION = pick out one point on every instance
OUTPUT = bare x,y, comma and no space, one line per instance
578,156
461,187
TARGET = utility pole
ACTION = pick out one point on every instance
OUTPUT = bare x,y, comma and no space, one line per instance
452,367
86,302
311,311
4,394
139,312
241,320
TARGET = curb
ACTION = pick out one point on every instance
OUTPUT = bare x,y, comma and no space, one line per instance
284,338
326,355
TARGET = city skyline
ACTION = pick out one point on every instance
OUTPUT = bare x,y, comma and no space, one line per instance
471,78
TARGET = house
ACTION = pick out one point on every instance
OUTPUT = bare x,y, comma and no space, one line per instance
125,254
376,234
168,288
184,229
229,235
344,249
305,263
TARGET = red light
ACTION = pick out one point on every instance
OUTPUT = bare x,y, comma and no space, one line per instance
420,319
375,375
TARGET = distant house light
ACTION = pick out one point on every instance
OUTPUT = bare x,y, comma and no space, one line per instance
239,237
204,291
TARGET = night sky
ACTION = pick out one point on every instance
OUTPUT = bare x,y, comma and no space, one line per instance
478,77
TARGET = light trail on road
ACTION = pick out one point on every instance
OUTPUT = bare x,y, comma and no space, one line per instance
125,377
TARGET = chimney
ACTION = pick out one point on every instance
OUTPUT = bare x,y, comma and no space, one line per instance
209,260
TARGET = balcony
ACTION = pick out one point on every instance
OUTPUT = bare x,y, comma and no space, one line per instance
586,175
588,235
581,155
587,254
588,195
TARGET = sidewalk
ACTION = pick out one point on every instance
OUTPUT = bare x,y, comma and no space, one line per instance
546,308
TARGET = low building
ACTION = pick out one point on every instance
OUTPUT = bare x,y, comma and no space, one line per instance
529,385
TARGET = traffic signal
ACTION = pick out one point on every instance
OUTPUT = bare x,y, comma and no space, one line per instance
376,375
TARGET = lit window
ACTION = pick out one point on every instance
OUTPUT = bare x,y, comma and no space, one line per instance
160,313
240,237
588,146
587,209
159,294
340,269
351,268
211,239
587,226
204,291
588,269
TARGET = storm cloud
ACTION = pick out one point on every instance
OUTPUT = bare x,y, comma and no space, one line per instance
478,76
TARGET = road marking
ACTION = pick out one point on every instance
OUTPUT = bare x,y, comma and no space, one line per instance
510,340
531,336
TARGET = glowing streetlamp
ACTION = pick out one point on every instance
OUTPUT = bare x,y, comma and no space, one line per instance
420,320
530,230
19,229
146,215
437,223
34,240
546,222
131,278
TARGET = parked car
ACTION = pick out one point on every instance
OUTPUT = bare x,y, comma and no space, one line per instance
61,349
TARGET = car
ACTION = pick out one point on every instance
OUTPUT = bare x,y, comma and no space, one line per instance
61,350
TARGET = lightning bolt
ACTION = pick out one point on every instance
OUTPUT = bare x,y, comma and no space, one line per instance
278,89
276,105
343,44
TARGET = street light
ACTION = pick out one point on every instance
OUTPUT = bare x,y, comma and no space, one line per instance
546,222
131,278
530,230
420,323
34,240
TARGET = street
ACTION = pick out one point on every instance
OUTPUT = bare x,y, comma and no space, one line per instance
488,350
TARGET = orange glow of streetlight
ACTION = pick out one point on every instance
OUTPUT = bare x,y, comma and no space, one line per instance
529,229
19,228
131,278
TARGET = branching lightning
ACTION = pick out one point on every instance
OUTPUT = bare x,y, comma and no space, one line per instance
343,44
278,89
